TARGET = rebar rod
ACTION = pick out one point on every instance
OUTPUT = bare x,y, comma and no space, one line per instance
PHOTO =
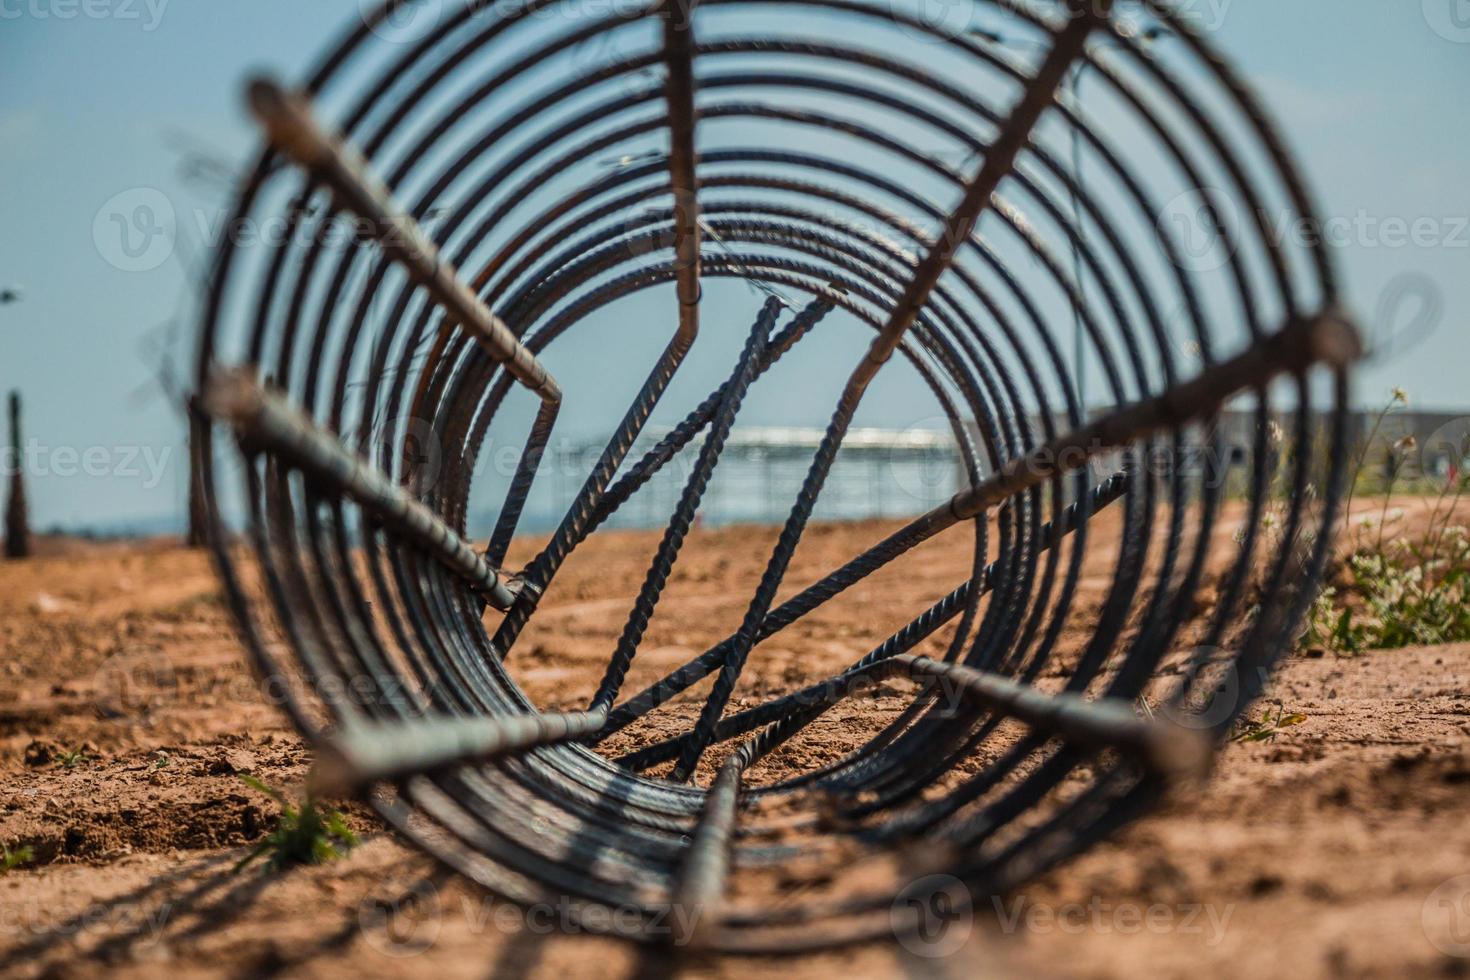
288,121
916,631
266,422
364,753
659,692
679,94
1167,748
1000,159
699,892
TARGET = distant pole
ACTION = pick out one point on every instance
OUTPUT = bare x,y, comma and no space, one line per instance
195,537
17,530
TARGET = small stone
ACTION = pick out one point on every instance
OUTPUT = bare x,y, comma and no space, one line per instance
231,762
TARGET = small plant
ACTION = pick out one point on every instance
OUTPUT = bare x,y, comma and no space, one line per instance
10,860
1267,728
305,834
160,760
71,759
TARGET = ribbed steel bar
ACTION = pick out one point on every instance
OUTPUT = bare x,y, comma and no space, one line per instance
688,508
920,628
1000,159
1327,339
266,422
699,892
366,753
679,89
287,120
1167,748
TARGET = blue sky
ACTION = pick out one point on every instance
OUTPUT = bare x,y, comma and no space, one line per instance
97,98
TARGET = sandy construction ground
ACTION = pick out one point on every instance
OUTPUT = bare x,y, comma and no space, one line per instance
127,716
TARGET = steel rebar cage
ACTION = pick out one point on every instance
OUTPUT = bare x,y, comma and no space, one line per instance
451,204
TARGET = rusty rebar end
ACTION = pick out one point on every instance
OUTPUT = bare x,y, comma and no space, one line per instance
232,396
332,772
266,97
283,116
1333,339
1183,756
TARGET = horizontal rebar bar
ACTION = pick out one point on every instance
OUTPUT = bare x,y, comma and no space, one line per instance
1326,339
364,753
288,121
265,421
1166,748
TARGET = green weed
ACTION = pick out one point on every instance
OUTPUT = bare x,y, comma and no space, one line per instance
1267,728
304,834
1398,589
10,860
71,759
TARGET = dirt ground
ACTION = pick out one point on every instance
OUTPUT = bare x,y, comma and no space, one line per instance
127,715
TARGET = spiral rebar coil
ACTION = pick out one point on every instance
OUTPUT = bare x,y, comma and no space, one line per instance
979,191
